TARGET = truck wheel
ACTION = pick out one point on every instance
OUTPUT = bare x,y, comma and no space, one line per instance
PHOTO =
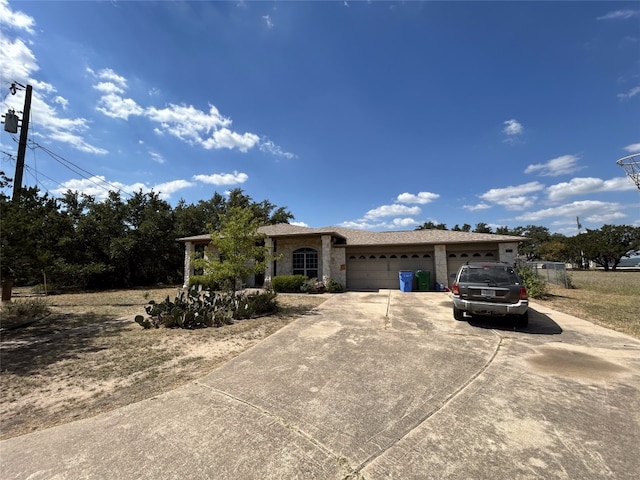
458,314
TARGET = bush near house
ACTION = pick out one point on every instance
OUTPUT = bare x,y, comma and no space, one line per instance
536,286
288,283
206,282
334,286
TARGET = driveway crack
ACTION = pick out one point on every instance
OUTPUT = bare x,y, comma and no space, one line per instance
431,413
288,425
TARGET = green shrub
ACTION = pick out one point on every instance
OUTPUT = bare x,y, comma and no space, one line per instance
256,304
288,283
207,282
536,286
333,286
193,309
200,308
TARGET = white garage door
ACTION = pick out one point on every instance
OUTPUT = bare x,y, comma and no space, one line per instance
373,270
456,259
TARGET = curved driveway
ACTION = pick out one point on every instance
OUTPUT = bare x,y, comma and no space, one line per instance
382,385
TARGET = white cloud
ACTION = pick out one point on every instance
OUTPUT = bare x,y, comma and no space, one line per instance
562,165
474,208
608,217
421,197
20,64
588,210
619,15
76,141
108,87
581,186
268,21
359,225
391,211
513,127
210,130
63,102
234,178
156,157
99,187
225,138
513,131
109,76
269,147
115,106
15,19
17,60
630,94
404,222
513,197
168,188
633,148
299,224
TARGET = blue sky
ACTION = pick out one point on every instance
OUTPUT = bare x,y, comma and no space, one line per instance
374,115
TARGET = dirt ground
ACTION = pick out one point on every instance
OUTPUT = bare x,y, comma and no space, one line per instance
89,356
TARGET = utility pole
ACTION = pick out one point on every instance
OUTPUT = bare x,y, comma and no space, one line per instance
22,145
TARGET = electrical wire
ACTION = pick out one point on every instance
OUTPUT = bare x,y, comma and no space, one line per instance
66,163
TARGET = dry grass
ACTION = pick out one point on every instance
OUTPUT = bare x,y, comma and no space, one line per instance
609,299
84,359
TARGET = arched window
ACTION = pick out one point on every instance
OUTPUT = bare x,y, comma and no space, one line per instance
305,262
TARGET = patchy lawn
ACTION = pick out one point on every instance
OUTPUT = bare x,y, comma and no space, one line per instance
85,358
609,299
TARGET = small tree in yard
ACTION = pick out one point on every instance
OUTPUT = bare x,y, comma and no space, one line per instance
240,249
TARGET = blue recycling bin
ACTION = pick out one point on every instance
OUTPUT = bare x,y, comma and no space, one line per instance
406,280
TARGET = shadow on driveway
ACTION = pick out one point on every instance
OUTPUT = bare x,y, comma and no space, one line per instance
539,324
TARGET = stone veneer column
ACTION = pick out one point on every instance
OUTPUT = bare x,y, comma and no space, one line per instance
440,264
508,252
189,248
326,258
268,271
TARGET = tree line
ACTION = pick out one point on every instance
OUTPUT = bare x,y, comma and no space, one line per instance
604,247
79,242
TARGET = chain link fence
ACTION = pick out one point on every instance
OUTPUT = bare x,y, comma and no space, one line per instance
553,272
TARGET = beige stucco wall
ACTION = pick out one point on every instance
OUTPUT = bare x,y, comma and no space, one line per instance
332,259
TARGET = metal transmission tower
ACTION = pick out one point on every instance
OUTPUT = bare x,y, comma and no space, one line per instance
631,165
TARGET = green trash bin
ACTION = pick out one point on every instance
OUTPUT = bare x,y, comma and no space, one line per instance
424,280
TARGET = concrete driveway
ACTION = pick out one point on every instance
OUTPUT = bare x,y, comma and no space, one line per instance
370,386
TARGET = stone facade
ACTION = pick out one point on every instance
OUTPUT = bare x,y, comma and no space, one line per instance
333,245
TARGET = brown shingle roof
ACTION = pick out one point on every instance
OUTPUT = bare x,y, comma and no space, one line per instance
363,237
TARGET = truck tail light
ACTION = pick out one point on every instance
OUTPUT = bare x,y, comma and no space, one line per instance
523,293
456,289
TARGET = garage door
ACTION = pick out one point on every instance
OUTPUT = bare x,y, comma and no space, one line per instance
456,259
373,270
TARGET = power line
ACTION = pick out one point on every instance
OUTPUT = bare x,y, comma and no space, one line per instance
65,163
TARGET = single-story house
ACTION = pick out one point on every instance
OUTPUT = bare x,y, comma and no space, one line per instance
363,260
